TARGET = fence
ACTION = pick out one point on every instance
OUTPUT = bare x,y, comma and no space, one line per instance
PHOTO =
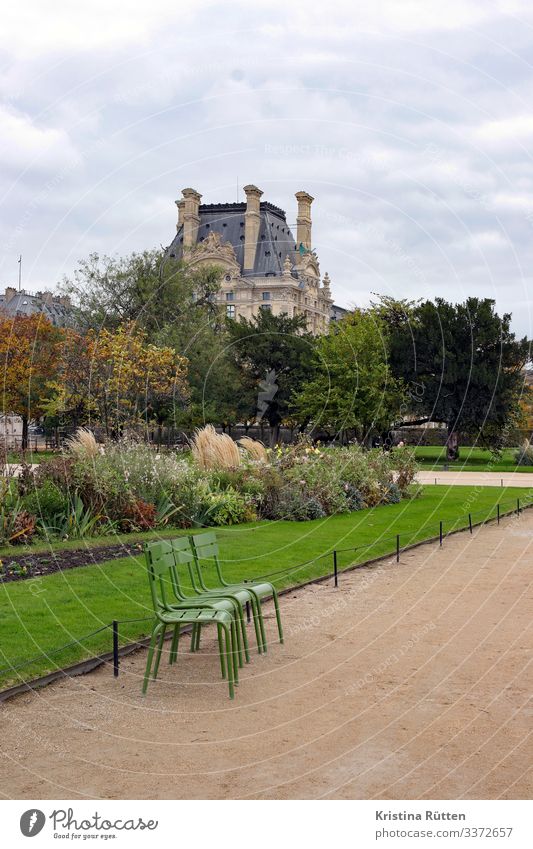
396,548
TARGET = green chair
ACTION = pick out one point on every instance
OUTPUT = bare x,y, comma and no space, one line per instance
170,552
160,580
184,556
205,548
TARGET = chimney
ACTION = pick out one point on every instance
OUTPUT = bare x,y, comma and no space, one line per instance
65,301
47,298
181,208
303,221
252,220
10,293
191,216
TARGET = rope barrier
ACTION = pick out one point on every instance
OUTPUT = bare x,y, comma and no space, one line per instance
53,651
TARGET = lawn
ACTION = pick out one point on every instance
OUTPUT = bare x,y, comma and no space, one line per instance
42,614
433,457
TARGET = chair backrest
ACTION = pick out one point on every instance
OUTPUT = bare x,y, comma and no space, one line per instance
160,565
205,547
184,557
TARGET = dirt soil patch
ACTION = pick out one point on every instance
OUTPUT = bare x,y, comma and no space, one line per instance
411,680
25,566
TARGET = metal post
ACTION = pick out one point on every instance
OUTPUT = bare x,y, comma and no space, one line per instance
440,533
397,548
470,521
435,481
498,508
335,572
248,617
518,507
115,648
501,481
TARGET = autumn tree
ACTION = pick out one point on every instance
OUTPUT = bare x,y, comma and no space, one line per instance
29,361
117,377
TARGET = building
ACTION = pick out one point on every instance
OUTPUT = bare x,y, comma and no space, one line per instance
263,265
56,308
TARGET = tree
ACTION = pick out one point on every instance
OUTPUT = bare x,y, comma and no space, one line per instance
274,356
118,378
352,387
462,366
29,359
150,288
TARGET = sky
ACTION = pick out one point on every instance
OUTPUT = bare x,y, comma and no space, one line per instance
409,121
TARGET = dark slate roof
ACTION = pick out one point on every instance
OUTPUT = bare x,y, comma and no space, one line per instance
275,240
24,303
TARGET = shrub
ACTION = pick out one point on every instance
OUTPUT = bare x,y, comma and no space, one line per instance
139,516
255,449
295,505
213,450
227,507
46,501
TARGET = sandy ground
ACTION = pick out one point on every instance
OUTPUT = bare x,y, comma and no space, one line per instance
455,478
409,681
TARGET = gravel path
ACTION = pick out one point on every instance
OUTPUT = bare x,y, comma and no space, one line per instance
409,681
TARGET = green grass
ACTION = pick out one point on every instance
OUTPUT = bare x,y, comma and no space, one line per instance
470,460
31,456
41,614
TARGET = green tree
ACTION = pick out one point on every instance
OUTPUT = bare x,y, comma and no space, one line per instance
462,365
352,387
274,357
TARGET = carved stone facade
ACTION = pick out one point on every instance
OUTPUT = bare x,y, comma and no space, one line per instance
263,266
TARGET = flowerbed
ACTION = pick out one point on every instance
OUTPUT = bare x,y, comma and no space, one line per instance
126,486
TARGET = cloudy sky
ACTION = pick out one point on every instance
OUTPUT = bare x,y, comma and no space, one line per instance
409,121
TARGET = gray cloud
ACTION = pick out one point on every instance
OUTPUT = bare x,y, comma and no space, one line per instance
408,123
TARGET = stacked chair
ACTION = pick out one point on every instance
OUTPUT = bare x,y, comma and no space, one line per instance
181,597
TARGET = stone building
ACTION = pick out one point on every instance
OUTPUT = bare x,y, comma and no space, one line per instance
264,266
56,308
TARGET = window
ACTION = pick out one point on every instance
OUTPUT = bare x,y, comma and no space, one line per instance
266,307
230,296
230,310
265,296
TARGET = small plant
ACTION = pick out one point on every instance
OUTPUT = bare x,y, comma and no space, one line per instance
23,528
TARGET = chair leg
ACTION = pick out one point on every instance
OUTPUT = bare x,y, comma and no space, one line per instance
261,624
198,635
175,644
151,647
278,614
234,630
221,651
257,626
158,653
230,653
242,622
193,638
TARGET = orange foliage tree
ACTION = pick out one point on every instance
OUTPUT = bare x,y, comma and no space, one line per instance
118,378
30,350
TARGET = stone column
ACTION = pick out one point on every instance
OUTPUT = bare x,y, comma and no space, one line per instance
191,216
252,221
181,209
303,221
